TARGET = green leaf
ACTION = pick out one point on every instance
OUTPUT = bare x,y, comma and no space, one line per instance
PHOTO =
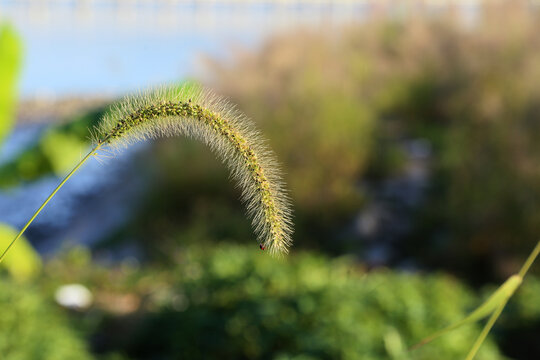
10,60
23,262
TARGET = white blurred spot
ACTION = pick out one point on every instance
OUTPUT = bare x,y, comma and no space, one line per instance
74,296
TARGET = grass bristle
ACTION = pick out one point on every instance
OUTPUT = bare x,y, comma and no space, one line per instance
195,112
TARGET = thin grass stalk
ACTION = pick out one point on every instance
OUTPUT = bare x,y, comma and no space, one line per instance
36,213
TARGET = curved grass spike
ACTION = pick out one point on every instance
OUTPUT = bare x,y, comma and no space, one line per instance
195,112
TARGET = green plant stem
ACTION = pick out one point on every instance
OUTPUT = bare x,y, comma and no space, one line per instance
493,318
485,331
529,260
81,163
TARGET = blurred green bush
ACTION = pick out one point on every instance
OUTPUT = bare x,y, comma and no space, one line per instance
237,303
32,328
233,302
473,93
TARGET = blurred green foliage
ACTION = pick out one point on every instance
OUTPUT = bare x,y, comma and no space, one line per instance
472,93
32,328
10,63
22,262
335,109
235,302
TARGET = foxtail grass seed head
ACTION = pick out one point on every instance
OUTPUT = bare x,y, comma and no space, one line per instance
195,112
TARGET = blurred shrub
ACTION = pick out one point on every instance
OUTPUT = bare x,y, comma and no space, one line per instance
32,328
22,262
231,302
473,93
10,63
236,302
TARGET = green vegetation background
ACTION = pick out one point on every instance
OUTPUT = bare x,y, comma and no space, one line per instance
336,109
